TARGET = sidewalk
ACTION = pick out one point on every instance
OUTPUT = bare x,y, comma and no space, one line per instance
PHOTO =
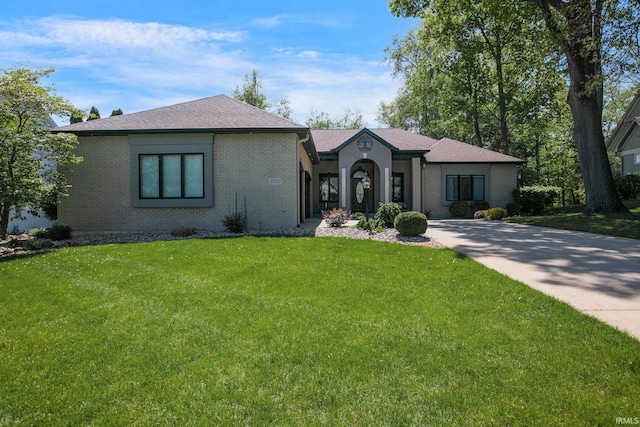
598,275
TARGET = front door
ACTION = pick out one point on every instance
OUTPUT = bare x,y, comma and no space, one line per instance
361,198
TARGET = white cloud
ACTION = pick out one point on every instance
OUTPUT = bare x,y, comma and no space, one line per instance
135,66
73,33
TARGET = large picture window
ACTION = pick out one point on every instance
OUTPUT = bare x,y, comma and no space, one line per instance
329,187
171,176
465,187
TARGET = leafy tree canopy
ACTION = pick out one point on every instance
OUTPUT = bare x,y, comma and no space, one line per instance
27,148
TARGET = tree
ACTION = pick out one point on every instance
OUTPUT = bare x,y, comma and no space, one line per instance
349,119
76,117
479,54
117,112
251,91
26,145
94,114
580,29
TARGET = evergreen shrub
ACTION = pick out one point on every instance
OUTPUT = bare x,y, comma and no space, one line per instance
411,223
459,209
387,213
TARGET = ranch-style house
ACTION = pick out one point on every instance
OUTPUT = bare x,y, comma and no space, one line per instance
193,163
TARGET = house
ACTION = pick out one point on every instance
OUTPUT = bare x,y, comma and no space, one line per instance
194,163
625,139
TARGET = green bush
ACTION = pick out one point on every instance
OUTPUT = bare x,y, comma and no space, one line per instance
60,232
387,213
479,205
535,199
411,223
234,223
183,231
57,232
38,233
496,213
368,224
628,186
459,209
513,209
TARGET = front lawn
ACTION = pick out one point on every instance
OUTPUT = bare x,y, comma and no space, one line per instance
297,331
571,218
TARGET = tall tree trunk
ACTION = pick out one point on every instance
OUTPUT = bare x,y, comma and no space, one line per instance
4,221
580,38
502,103
600,190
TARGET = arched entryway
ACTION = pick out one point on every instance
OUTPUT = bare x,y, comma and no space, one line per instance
362,199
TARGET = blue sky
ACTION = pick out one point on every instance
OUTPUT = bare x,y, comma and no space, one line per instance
141,54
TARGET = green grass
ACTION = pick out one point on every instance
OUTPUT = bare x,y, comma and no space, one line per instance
571,218
304,331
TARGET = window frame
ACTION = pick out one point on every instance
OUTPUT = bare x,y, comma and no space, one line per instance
459,187
399,175
162,176
172,144
321,178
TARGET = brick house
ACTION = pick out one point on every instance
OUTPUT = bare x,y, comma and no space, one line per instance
193,163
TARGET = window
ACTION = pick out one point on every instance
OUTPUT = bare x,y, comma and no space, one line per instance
465,187
171,176
636,159
397,183
329,187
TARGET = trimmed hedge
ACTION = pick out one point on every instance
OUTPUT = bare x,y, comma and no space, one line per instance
411,223
459,209
535,199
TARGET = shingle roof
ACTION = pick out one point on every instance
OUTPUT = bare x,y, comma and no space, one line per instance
213,113
438,151
451,151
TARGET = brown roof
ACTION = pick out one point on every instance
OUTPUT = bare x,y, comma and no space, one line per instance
438,151
451,151
214,113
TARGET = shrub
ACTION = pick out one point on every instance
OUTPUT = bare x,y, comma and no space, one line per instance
387,213
38,233
513,209
628,186
368,224
479,205
235,222
183,231
411,223
496,213
335,217
535,199
458,209
60,232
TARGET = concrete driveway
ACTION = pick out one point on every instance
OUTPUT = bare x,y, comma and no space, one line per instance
598,275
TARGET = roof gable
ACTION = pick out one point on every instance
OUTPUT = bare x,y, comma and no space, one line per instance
435,151
629,121
214,113
333,140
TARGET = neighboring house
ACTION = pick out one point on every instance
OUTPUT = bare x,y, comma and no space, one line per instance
625,139
193,163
